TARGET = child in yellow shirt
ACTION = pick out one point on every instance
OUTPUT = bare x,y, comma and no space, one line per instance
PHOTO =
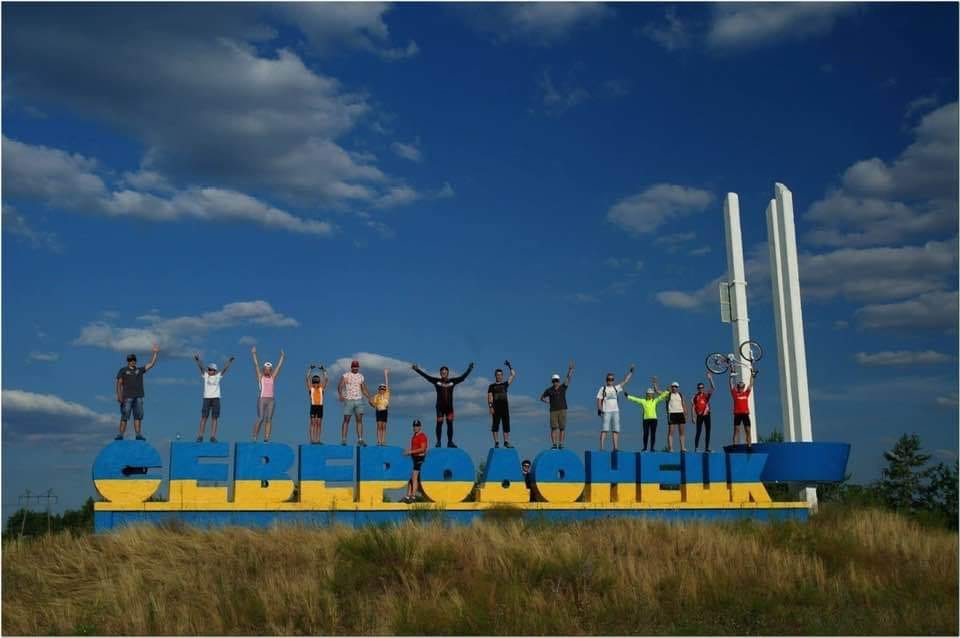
380,401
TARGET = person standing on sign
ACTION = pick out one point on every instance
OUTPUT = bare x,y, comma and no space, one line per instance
701,409
608,407
211,396
351,389
315,387
380,402
741,408
556,395
499,406
649,405
676,416
444,386
417,453
265,403
130,392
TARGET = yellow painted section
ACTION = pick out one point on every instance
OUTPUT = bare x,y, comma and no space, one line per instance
316,493
716,494
597,493
624,493
652,494
253,492
187,491
371,492
445,492
560,492
749,493
497,493
123,492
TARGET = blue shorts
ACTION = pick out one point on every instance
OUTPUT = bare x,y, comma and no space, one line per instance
353,407
611,421
135,405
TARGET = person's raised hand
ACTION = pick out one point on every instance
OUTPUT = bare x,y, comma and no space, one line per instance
196,356
632,367
570,365
253,349
156,348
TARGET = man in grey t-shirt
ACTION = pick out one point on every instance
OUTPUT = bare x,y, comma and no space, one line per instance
130,392
556,395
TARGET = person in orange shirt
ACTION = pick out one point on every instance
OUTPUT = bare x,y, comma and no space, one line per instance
741,407
380,402
315,387
418,452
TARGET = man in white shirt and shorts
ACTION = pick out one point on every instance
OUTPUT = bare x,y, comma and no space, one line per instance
608,407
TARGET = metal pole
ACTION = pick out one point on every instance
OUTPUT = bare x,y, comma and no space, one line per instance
740,320
23,522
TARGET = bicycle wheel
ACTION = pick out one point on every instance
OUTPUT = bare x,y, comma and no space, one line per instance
751,351
717,363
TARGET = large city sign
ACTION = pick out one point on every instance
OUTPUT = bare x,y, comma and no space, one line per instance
322,484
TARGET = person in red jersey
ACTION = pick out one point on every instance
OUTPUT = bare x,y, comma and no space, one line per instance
417,452
701,410
741,408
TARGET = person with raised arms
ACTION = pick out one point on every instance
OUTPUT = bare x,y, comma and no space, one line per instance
701,409
130,392
649,405
266,377
315,388
741,407
608,407
676,416
556,395
417,453
351,390
380,402
444,385
211,395
499,406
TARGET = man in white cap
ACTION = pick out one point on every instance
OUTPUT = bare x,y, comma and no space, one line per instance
556,396
211,395
676,416
351,390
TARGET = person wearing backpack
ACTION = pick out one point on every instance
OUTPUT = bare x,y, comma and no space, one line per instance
676,416
608,407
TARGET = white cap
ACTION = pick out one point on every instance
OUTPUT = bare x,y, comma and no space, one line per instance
382,385
555,377
674,385
211,366
650,391
268,365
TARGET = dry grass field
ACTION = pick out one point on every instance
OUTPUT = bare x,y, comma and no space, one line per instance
844,572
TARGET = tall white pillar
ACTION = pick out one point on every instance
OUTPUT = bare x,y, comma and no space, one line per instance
736,272
784,364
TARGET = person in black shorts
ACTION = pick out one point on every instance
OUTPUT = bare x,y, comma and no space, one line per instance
315,388
499,407
444,385
417,453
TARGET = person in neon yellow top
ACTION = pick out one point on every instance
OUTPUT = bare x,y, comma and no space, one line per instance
649,404
380,402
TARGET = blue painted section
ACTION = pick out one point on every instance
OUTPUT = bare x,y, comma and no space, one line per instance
611,467
703,468
124,460
111,520
558,466
262,462
801,462
314,467
503,464
385,463
185,462
448,464
652,467
745,468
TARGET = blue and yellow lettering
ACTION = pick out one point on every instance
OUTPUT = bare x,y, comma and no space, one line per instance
316,472
743,474
611,477
447,475
704,479
379,469
260,474
186,472
558,476
122,472
658,469
502,478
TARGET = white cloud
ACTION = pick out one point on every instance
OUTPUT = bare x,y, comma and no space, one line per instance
408,151
56,178
671,34
695,300
901,358
558,100
949,400
699,252
44,357
333,25
17,225
537,23
920,105
148,181
744,25
178,336
647,211
46,419
247,340
933,310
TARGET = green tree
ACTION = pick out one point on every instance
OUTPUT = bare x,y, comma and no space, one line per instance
940,492
902,483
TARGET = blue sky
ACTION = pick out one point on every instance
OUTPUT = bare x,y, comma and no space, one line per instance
443,183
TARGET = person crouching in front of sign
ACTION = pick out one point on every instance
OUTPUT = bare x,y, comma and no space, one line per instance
528,477
608,408
417,452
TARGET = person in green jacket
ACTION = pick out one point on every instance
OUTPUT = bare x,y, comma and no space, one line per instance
649,404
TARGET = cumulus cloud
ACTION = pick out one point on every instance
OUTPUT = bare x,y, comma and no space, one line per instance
558,100
746,25
409,151
44,357
536,23
359,25
672,33
46,419
933,310
178,335
645,212
16,225
901,358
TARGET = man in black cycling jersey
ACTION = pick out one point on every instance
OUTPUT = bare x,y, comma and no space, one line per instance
444,387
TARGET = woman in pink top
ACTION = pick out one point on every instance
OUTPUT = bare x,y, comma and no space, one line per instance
265,378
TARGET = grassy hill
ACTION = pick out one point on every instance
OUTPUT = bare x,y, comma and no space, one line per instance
845,572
